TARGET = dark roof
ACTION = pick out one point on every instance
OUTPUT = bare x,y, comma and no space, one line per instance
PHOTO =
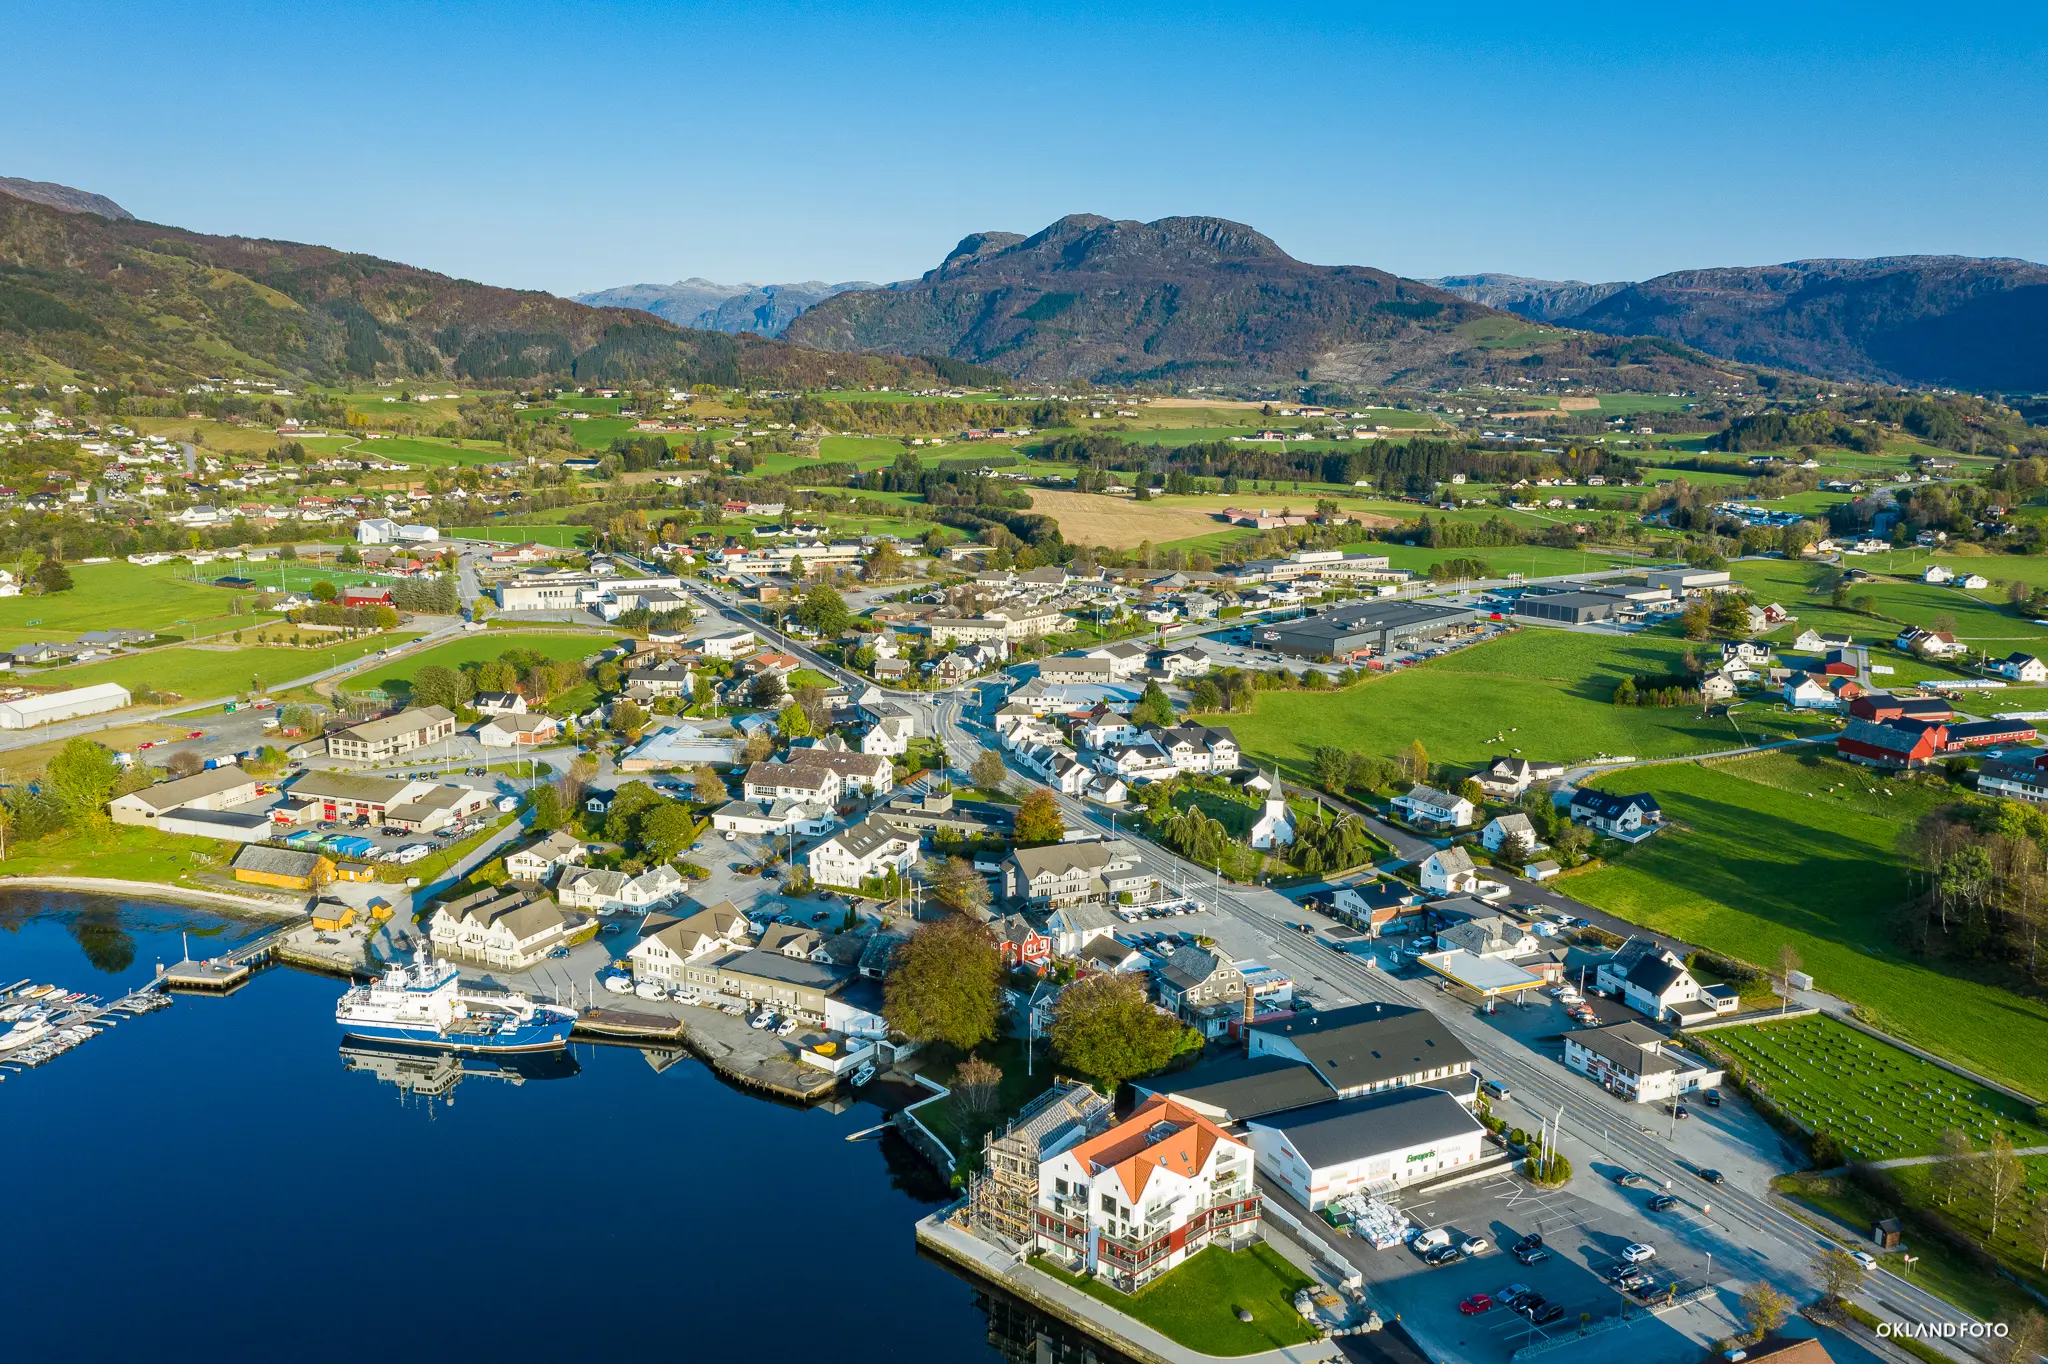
1654,974
1346,1130
1370,1043
276,861
1246,1087
1632,1046
788,970
1608,805
1978,729
1887,737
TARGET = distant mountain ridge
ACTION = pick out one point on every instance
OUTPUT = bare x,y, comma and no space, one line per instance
1541,300
1198,300
1961,321
63,197
143,304
763,309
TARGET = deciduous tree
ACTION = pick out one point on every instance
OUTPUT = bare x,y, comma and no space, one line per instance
1839,1273
1104,1027
710,787
1039,819
988,770
942,985
977,1089
1764,1308
956,885
82,778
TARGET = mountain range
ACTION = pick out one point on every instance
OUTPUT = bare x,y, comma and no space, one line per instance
763,309
1205,300
1958,321
85,292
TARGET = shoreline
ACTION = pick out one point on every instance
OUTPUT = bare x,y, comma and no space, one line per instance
208,899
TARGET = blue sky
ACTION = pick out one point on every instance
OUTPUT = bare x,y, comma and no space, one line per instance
569,147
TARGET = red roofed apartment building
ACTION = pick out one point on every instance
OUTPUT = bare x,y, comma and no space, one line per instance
1130,1204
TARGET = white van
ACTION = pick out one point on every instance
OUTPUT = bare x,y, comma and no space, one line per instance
1426,1241
1495,1089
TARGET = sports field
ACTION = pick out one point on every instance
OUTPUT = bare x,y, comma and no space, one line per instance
1879,1102
1796,847
124,595
561,537
1538,693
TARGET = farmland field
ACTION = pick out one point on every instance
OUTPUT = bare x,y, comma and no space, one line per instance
1541,693
1879,1102
1798,848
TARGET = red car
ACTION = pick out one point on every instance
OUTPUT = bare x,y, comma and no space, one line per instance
1477,1303
197,734
147,743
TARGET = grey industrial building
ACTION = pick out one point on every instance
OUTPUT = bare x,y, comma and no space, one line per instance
1369,628
1570,608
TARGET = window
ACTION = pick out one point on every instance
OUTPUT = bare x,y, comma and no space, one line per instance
1061,1186
1109,1203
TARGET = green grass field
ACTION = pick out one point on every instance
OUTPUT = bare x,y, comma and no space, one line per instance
123,852
397,674
1879,1102
1196,1302
1795,847
162,598
1541,693
199,671
429,452
1982,619
561,537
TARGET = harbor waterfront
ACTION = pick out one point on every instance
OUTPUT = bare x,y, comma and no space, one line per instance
245,1172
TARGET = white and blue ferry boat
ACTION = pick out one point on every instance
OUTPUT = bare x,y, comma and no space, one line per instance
424,1004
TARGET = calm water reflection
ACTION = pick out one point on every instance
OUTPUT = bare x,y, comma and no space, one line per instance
224,1179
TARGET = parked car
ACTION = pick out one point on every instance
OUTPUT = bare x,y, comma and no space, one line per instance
1534,1255
1473,1245
1531,1304
1637,1253
1628,1177
1425,1239
1513,1296
1474,1305
1544,1314
1713,1098
1442,1255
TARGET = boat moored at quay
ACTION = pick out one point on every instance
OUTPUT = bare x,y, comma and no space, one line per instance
425,1004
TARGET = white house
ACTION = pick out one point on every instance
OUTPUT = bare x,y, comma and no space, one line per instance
736,644
538,862
764,819
1648,978
1937,574
1431,808
1449,871
1637,1063
2022,668
501,927
668,943
1812,641
1131,1203
1502,828
518,731
499,703
1805,692
867,850
1629,817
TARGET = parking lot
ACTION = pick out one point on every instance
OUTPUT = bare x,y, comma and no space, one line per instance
1583,1241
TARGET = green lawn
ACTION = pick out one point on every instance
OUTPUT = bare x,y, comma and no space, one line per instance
1938,1267
477,648
1781,848
1879,1102
197,671
1982,619
121,852
561,537
1195,1303
1541,693
428,452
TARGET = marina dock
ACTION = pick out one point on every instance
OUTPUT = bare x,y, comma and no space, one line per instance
231,970
626,1025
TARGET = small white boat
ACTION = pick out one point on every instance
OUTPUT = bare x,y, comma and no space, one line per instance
13,1011
864,1074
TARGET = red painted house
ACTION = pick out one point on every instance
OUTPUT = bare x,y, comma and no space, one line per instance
1019,943
366,596
1882,705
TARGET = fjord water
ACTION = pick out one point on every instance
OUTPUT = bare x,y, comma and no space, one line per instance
214,1182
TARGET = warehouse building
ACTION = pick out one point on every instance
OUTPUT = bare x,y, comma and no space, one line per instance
50,707
1372,628
1570,608
221,789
